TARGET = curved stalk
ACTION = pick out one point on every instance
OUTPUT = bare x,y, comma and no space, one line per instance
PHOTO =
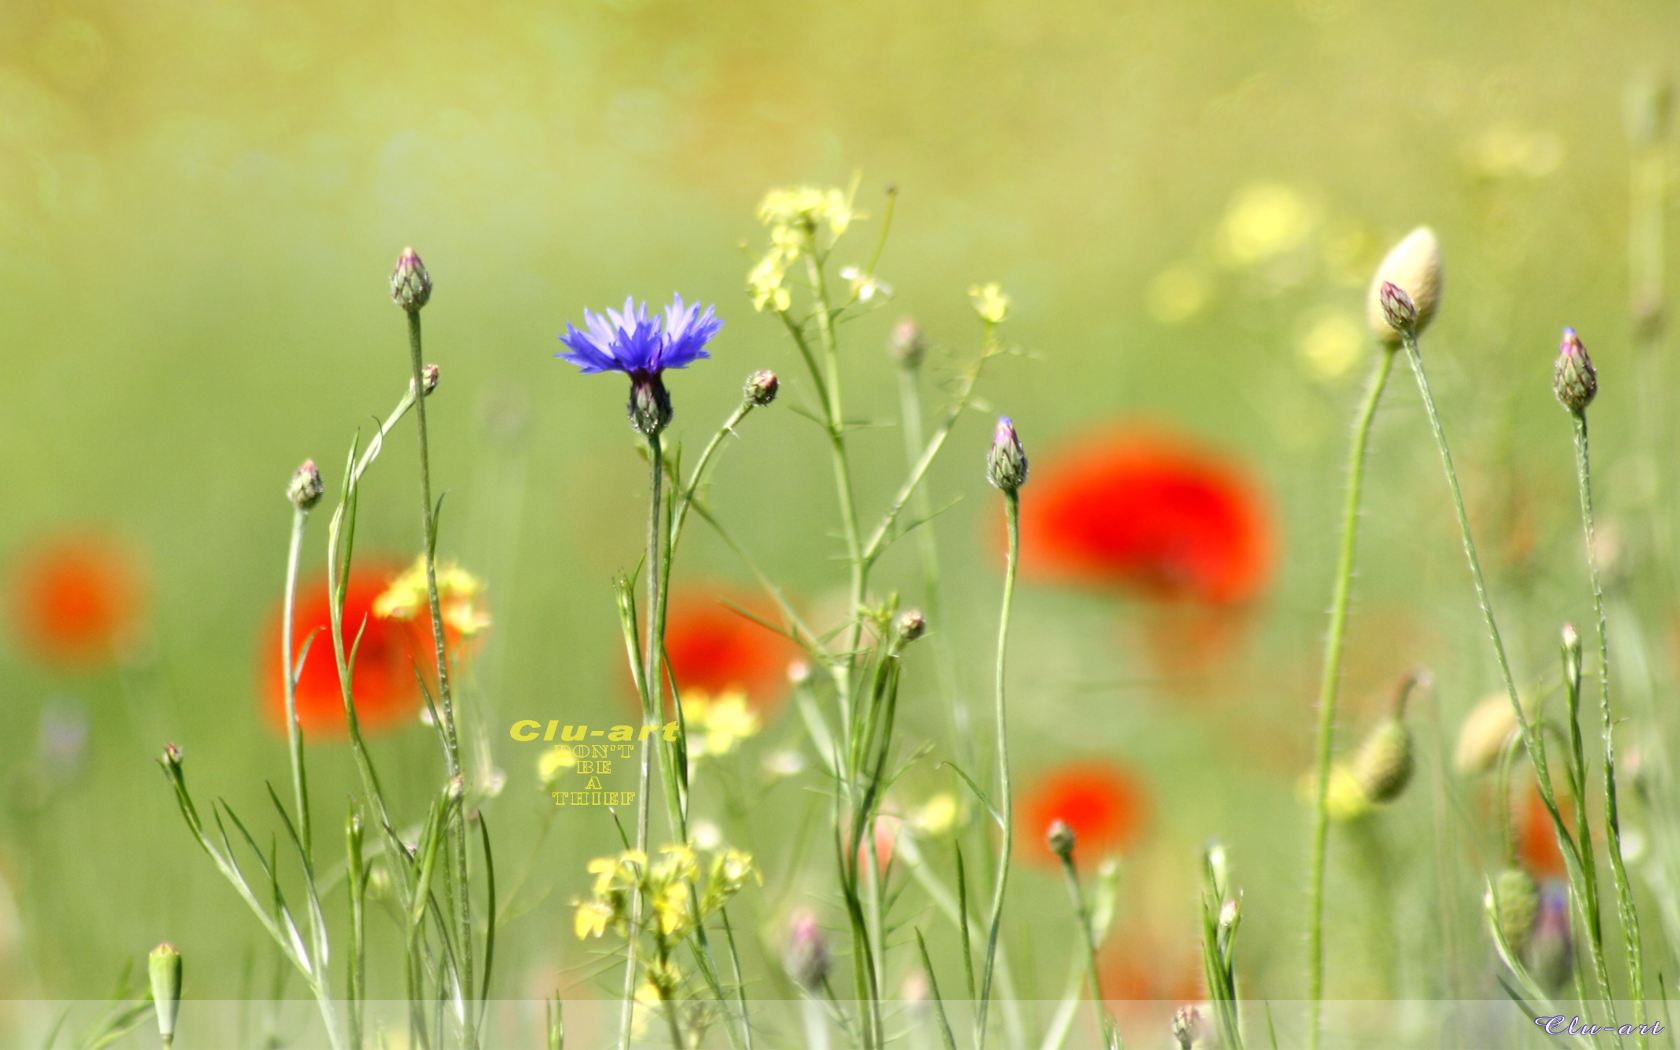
1327,690
1012,512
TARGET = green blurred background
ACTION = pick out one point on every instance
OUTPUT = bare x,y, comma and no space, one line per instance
200,203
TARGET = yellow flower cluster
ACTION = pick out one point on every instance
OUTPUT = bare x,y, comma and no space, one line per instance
794,215
990,302
458,597
715,726
670,887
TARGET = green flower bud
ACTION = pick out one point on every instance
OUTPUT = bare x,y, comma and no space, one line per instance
1574,380
762,387
1006,466
1383,766
1516,901
411,285
165,968
1060,839
306,487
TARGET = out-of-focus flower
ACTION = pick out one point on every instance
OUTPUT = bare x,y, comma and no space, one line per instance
794,215
1346,799
1265,220
1331,344
806,958
865,288
716,724
713,649
459,592
1103,803
1537,844
1507,151
553,764
1551,949
990,302
1485,731
939,815
784,763
383,682
1149,513
1179,292
76,601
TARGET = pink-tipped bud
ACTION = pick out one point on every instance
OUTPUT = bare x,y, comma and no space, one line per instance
906,344
761,387
807,960
411,285
1398,310
428,379
1006,466
1060,839
306,487
911,625
1574,380
164,968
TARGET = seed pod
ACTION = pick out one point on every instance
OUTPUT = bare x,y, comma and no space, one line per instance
1516,901
1383,766
1413,267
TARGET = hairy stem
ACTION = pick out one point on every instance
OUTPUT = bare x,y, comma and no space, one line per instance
452,744
1328,685
1005,808
294,733
1612,821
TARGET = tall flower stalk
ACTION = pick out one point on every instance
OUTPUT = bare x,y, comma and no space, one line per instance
1331,679
1576,384
1006,469
642,347
411,289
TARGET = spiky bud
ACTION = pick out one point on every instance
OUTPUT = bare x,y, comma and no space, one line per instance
762,387
1383,766
411,285
1516,902
650,403
911,625
1006,466
906,343
1061,839
1574,380
1413,267
305,488
165,971
806,958
1398,310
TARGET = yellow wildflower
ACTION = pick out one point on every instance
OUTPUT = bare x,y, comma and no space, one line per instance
806,207
554,762
458,592
592,919
990,302
717,725
670,907
938,816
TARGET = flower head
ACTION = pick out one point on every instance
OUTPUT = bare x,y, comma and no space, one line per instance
990,302
382,683
1574,380
1150,513
459,594
1101,803
717,725
634,343
76,601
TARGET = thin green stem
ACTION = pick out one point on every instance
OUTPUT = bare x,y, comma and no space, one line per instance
1005,807
1612,821
452,745
1531,734
1331,679
1088,942
294,733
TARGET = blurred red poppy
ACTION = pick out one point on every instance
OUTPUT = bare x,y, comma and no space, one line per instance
383,683
1144,972
1148,512
76,601
1103,803
1537,845
715,649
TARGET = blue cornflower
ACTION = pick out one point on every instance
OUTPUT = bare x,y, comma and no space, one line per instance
642,347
